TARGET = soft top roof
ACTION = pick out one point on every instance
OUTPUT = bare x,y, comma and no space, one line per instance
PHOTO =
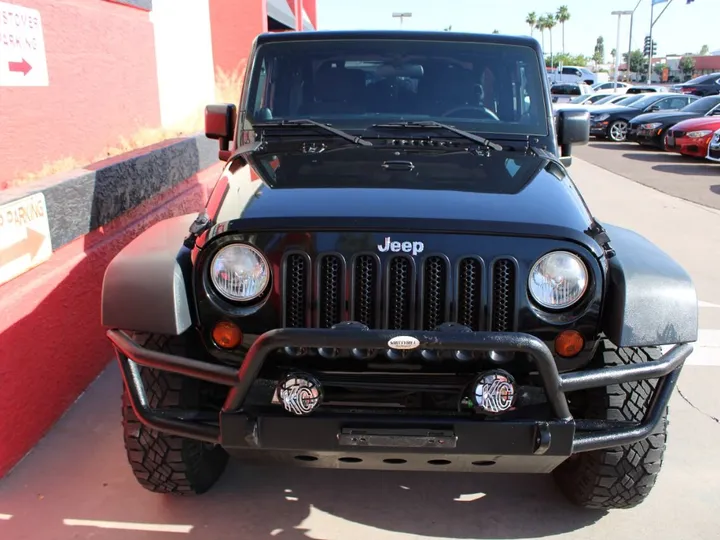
273,37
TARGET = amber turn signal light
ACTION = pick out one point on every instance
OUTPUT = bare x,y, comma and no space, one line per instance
227,335
569,343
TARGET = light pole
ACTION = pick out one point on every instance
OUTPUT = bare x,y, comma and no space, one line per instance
653,20
632,15
617,47
402,15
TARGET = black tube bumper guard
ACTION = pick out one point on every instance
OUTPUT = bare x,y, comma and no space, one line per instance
330,434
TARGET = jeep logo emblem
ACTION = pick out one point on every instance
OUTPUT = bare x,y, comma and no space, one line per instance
405,247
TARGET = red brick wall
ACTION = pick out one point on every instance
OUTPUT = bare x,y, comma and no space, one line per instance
234,24
103,85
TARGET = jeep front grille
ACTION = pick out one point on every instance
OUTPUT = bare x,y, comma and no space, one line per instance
398,292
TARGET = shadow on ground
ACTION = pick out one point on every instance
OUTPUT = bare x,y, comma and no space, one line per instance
690,169
80,472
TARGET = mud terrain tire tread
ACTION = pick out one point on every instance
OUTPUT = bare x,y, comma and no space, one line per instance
165,463
620,477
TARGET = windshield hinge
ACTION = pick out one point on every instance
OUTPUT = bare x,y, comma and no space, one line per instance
201,224
600,235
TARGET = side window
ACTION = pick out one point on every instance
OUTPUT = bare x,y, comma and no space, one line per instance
677,102
262,83
663,104
568,71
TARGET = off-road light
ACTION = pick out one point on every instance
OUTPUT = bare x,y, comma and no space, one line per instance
240,272
494,391
299,393
558,280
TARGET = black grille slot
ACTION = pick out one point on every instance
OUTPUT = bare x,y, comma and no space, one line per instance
296,291
366,286
469,293
400,292
434,288
678,133
503,296
330,291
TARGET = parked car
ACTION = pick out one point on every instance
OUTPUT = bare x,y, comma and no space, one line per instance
692,137
646,89
704,85
610,86
619,99
589,99
572,74
612,122
714,147
650,128
564,92
395,292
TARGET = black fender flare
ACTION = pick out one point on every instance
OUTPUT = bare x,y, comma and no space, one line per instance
650,298
145,287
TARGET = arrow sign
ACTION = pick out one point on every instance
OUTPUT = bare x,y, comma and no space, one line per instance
25,240
19,67
29,246
23,61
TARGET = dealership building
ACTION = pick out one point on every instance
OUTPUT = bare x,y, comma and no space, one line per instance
105,70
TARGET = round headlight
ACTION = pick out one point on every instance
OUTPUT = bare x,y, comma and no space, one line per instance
240,272
558,280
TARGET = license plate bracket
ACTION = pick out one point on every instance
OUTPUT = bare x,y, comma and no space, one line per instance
397,438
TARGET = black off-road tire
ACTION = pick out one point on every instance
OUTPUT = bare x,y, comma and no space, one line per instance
619,477
165,463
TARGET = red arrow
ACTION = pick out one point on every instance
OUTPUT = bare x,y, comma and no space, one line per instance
28,246
20,67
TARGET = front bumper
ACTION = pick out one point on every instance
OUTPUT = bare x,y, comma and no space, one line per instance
653,137
399,441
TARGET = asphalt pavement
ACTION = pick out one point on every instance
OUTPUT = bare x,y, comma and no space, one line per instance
76,484
692,179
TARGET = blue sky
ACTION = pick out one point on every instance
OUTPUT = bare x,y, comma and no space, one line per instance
682,28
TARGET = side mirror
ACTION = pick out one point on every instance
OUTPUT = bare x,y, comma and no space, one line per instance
573,128
220,124
653,108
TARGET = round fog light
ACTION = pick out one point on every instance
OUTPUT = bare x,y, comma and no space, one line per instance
227,335
569,343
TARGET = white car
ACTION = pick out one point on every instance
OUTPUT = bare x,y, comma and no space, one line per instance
610,87
713,153
572,74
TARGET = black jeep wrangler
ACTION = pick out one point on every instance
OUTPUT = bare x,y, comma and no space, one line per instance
395,271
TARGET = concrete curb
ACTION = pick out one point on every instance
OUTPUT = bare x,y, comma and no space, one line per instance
83,200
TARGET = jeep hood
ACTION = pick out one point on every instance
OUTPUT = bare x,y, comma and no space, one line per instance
508,192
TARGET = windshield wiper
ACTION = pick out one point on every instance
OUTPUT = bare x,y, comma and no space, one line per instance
307,122
432,124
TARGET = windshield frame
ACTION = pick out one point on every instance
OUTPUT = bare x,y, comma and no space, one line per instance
541,125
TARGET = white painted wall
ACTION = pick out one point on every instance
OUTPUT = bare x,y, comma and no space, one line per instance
183,46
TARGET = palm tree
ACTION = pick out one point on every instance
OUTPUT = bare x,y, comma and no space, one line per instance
531,20
550,23
562,16
540,25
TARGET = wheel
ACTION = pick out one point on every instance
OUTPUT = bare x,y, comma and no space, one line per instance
617,131
619,477
165,463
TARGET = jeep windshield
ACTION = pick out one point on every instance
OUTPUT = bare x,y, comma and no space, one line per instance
362,84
